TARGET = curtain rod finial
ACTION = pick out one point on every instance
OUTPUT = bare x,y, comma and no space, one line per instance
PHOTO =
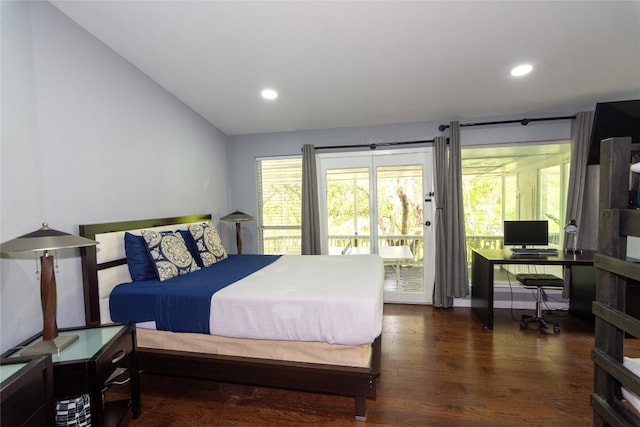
442,128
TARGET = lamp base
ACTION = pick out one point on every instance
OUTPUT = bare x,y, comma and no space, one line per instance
572,251
54,346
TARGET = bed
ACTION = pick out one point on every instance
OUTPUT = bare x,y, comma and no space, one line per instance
615,398
338,353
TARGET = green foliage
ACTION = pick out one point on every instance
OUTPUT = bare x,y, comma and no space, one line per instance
399,206
281,204
482,198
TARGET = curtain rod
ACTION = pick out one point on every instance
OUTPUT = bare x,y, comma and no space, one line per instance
523,122
375,145
441,128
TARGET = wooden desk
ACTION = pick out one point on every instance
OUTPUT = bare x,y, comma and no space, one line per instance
484,261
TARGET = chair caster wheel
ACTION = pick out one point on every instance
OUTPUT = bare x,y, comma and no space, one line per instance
556,329
523,325
544,331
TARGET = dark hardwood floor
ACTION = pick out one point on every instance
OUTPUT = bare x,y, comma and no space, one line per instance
439,368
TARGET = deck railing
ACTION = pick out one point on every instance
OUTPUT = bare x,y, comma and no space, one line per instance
287,244
291,244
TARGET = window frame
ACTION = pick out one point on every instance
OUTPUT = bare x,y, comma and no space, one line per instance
260,216
533,176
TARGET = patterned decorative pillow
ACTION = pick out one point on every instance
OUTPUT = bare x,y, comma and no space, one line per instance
208,243
170,254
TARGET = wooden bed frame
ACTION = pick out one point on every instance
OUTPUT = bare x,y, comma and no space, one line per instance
616,223
359,383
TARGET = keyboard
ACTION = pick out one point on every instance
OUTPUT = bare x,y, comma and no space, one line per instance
534,252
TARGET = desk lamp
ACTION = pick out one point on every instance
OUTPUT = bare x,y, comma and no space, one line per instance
571,229
238,217
46,239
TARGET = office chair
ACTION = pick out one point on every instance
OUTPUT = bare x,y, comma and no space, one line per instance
539,282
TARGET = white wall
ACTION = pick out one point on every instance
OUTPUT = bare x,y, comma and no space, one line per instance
243,150
86,138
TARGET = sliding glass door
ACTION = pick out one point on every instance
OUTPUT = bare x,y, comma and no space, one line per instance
379,203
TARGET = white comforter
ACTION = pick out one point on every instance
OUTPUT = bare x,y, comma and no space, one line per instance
333,299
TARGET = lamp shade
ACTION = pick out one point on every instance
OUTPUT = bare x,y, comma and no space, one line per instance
237,216
45,239
571,227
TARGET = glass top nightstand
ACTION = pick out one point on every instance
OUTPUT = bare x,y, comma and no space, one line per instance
88,363
7,370
89,342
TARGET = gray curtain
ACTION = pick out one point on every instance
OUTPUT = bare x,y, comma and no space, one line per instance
310,206
582,191
579,192
451,253
440,168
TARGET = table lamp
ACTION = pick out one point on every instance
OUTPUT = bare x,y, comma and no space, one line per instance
571,229
238,217
46,239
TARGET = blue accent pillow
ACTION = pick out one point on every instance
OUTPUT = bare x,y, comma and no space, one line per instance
169,253
141,266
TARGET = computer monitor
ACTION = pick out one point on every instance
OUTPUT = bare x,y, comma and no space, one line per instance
526,233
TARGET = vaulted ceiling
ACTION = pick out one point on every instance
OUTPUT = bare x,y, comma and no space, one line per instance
362,63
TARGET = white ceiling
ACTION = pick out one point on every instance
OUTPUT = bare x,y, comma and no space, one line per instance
362,63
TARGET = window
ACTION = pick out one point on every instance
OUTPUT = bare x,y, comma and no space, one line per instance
550,197
279,205
348,214
524,181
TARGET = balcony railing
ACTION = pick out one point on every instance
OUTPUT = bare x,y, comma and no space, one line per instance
290,244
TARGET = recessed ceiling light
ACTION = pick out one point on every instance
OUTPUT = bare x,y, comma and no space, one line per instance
269,94
521,70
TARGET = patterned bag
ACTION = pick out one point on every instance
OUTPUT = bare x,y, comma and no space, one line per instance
73,412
